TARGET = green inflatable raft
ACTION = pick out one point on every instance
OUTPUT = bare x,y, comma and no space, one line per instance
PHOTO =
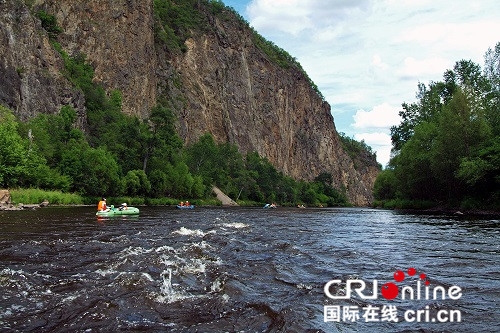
116,211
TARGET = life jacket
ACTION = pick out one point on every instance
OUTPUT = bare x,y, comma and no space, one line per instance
101,205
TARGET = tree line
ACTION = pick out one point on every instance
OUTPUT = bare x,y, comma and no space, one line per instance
446,150
142,158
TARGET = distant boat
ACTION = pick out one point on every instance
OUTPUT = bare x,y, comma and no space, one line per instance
185,207
269,206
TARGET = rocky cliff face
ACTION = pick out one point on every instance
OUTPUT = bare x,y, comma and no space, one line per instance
30,69
236,93
117,39
222,84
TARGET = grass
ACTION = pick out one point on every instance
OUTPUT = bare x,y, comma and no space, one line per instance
36,196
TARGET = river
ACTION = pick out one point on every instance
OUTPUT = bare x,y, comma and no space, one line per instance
242,270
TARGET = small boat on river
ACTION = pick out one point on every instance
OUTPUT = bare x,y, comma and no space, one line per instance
116,211
185,207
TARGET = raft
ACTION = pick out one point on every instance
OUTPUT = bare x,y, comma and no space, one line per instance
185,207
116,211
269,206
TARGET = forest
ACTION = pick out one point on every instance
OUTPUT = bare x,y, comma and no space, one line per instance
446,150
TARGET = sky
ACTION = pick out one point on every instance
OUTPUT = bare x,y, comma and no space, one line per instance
367,57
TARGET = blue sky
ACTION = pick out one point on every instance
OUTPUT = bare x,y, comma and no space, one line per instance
368,56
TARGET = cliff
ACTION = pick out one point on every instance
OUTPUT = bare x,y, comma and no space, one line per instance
30,69
220,82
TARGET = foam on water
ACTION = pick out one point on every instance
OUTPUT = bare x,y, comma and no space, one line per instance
167,292
217,285
235,225
147,276
189,232
196,266
164,248
134,251
106,272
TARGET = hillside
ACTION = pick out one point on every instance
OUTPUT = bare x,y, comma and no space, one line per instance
198,58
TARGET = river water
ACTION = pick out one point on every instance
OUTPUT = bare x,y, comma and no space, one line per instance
241,270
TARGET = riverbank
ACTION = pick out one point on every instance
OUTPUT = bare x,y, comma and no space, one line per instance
434,208
34,197
18,199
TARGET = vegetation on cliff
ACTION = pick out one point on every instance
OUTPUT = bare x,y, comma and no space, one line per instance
447,147
358,151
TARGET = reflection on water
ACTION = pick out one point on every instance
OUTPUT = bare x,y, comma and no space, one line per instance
238,269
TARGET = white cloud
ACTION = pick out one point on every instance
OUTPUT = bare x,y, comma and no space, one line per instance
415,69
378,63
289,16
460,35
328,34
382,116
375,139
406,3
376,124
295,16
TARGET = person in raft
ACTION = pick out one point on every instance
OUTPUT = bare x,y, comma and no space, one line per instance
101,206
181,204
123,206
187,204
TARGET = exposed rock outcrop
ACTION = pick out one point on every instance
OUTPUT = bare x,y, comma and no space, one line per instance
118,41
222,197
30,69
4,197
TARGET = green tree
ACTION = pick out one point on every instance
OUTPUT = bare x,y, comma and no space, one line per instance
202,159
93,171
136,183
13,151
481,170
163,144
160,182
21,163
385,185
445,147
49,23
412,166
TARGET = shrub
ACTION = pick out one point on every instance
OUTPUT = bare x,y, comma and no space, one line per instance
136,183
49,23
36,196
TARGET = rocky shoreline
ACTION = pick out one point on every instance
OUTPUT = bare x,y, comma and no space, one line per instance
6,203
21,206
